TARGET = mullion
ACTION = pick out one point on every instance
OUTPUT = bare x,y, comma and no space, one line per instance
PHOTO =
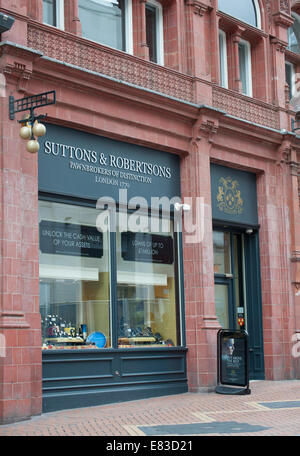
113,280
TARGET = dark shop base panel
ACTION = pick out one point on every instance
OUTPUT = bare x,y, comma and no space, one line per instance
55,403
74,380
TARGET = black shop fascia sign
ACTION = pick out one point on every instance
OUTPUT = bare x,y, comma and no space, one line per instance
87,166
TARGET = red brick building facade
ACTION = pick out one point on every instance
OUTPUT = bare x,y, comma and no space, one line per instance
218,97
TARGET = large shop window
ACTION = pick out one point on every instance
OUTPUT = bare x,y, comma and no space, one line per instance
82,306
107,22
74,277
53,13
148,307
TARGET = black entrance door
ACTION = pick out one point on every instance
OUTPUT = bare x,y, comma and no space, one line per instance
254,305
237,289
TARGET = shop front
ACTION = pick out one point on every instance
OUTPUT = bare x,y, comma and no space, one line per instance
237,259
110,268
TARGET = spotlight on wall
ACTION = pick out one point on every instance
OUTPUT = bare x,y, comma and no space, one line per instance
182,207
249,231
31,127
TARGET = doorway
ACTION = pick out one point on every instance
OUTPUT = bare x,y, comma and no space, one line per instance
237,288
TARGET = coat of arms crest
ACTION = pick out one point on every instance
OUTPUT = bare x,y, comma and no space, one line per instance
229,196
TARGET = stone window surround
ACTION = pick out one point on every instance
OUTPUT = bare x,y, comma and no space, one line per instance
237,31
159,30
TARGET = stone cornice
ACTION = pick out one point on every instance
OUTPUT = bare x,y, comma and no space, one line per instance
200,8
280,45
16,62
282,18
207,128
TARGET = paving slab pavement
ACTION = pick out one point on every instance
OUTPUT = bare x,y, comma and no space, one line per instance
272,409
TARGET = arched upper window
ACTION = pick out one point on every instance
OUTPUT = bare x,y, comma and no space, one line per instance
245,10
294,35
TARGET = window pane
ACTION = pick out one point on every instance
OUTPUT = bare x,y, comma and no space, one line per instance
289,77
221,304
223,66
244,68
244,10
148,307
151,32
49,12
74,278
293,44
222,264
103,21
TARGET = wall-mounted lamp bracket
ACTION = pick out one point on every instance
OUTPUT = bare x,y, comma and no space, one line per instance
30,103
31,118
31,127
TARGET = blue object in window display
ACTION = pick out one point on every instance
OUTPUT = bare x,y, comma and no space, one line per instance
97,338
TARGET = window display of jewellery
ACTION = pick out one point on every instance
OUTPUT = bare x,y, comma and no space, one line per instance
140,336
58,333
